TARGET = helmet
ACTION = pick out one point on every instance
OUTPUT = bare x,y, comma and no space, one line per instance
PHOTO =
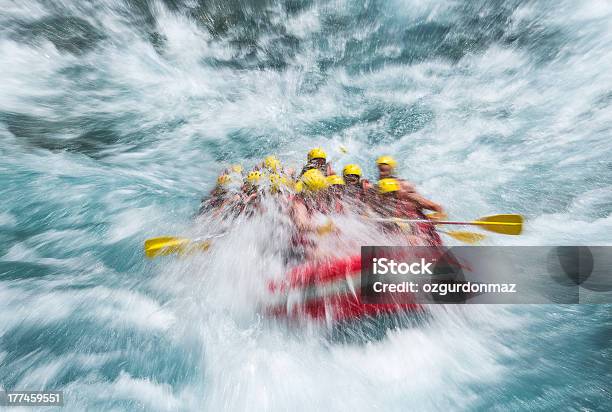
317,153
335,180
351,169
254,176
223,180
272,163
236,168
388,185
386,160
314,180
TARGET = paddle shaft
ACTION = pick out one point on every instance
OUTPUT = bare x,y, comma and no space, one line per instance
446,222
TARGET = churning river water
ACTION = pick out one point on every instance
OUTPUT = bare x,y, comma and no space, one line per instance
116,117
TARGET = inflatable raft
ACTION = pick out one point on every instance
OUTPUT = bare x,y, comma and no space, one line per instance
329,291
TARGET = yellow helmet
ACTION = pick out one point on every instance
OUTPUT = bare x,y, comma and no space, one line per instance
351,169
236,168
388,185
386,160
223,180
317,153
254,176
272,163
334,180
314,180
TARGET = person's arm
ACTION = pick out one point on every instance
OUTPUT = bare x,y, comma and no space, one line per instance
424,203
328,169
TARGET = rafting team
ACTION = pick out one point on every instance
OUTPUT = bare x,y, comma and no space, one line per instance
317,190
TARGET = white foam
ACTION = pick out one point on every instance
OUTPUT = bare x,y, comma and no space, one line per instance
155,396
7,219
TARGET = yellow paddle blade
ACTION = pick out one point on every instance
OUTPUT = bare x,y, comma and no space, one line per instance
505,224
167,245
465,237
154,241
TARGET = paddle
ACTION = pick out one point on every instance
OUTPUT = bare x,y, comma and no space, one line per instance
167,245
506,224
462,236
465,237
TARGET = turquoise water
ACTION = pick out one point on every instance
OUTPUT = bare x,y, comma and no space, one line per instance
116,116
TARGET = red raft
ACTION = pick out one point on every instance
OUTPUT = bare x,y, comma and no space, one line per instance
327,291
